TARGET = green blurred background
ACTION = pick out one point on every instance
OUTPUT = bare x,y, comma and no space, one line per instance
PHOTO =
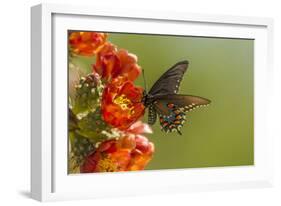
221,70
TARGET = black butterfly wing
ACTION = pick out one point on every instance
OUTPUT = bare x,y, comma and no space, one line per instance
184,102
169,82
172,109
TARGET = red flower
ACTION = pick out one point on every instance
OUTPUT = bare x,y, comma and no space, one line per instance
121,103
129,153
86,43
112,63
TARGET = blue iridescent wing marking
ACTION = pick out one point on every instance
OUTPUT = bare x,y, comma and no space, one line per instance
172,110
173,120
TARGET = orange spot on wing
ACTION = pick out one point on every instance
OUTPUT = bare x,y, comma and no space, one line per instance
177,111
170,105
178,117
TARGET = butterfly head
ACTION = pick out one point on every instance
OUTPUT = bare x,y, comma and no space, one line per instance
147,99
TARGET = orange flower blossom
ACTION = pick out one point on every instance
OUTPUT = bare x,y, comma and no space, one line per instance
121,104
111,63
86,43
131,152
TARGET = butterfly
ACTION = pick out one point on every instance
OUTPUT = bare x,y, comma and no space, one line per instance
162,100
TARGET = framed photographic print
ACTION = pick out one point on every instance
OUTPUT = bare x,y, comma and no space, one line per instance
135,102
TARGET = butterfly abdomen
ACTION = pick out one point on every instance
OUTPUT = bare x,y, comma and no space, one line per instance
152,115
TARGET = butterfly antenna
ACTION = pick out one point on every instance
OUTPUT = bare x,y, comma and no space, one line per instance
144,81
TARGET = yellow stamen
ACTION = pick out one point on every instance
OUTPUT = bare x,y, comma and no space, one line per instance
106,165
124,103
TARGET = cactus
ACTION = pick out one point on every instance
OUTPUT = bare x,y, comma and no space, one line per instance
87,96
92,126
79,148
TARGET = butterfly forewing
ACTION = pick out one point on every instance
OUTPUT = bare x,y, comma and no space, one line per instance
169,82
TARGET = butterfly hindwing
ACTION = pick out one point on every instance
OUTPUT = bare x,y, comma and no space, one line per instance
169,82
185,102
172,109
171,117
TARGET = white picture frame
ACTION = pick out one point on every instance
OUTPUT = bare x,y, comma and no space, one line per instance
49,178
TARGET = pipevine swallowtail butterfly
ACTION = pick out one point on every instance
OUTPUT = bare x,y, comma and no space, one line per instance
163,100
